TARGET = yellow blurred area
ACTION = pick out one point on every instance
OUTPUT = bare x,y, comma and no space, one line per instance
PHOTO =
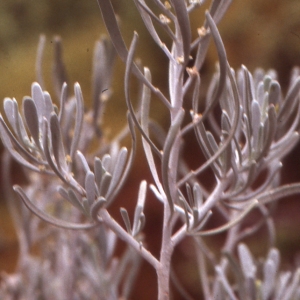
257,33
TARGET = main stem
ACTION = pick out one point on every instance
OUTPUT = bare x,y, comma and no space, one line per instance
167,248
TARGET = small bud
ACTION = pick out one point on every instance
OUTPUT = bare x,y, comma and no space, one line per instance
180,59
164,19
202,31
167,5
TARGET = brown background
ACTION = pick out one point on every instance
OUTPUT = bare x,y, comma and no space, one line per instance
257,33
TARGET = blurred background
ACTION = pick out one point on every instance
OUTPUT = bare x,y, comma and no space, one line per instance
256,33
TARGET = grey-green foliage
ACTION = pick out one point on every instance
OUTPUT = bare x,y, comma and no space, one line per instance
271,284
72,185
50,141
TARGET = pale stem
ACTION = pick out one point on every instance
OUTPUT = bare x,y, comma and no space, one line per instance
167,248
106,218
214,197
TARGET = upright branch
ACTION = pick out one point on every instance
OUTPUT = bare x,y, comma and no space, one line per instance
243,132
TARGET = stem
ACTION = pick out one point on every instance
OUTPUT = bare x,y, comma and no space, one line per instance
167,248
214,197
230,242
203,273
105,217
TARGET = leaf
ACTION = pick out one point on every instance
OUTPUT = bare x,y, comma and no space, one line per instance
275,93
218,9
197,195
189,195
16,121
129,163
139,217
98,170
118,169
39,60
103,62
290,101
145,108
146,15
105,183
59,70
109,18
11,110
83,161
247,262
48,218
269,136
47,152
63,100
270,273
9,141
225,283
248,93
231,223
185,28
57,143
222,61
90,187
49,109
74,199
78,119
293,287
126,219
230,135
255,122
186,209
129,65
106,162
96,206
38,98
171,136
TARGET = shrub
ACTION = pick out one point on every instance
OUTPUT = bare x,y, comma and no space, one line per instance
243,132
